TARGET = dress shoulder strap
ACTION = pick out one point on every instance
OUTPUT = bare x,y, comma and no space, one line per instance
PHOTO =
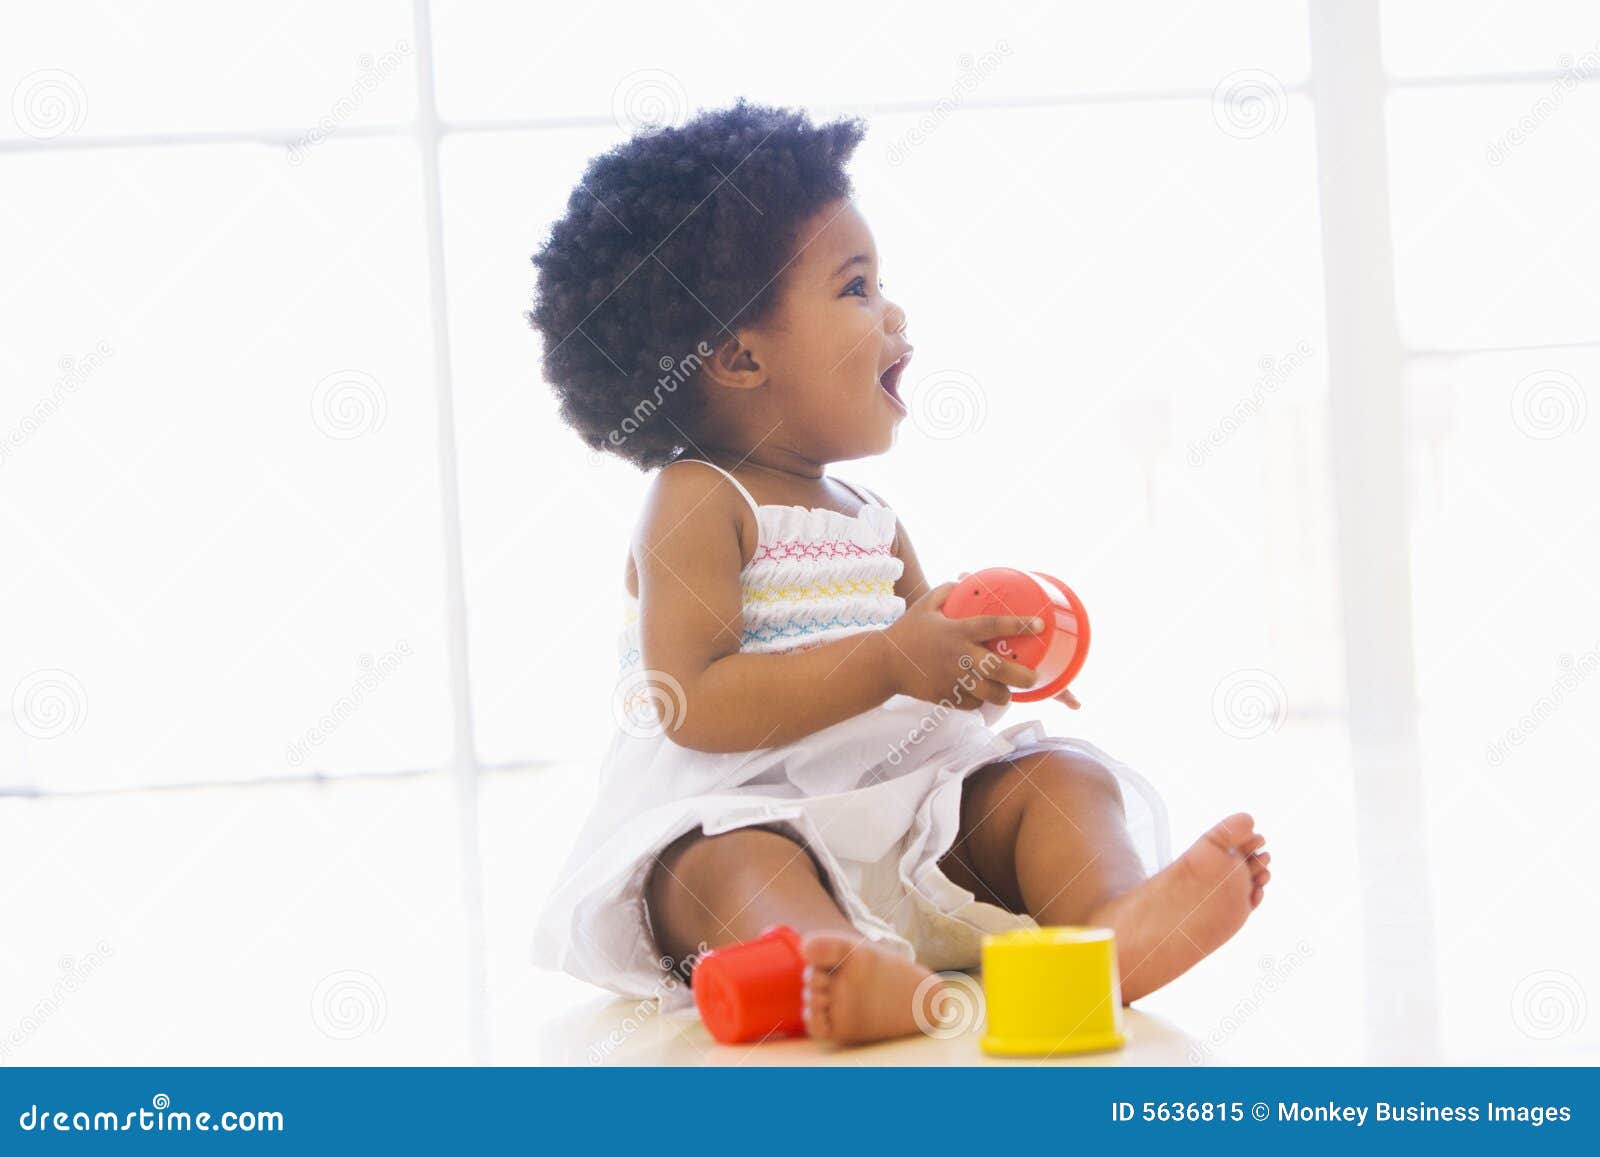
862,493
754,505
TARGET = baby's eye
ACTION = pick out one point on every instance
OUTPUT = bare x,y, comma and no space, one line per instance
860,284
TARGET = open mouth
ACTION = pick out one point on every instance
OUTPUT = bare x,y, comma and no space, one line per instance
889,380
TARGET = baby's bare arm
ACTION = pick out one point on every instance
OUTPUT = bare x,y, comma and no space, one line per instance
913,583
691,546
694,539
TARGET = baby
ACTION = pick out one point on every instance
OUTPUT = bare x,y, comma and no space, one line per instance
804,737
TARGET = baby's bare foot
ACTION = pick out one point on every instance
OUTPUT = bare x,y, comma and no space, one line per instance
856,991
1190,908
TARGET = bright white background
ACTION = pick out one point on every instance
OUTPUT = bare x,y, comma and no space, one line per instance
273,438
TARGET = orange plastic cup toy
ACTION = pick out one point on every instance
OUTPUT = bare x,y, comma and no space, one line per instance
752,990
1056,653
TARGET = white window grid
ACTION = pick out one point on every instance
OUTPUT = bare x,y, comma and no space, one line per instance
1348,88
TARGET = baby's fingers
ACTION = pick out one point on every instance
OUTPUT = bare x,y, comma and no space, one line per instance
982,627
963,696
1002,670
989,692
936,596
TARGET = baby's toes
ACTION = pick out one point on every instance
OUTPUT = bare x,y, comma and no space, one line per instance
825,951
1232,832
813,996
1259,875
1259,872
817,1007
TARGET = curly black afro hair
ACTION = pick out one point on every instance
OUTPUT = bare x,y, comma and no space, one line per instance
670,241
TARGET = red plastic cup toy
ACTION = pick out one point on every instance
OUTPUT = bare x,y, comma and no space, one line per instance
754,989
1056,653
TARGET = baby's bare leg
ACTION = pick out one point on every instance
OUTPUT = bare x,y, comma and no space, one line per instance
1044,833
707,891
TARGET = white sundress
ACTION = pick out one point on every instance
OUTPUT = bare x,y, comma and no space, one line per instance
876,798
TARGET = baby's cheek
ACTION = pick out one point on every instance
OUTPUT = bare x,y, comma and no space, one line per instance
864,363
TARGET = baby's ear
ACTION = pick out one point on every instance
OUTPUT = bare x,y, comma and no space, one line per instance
732,365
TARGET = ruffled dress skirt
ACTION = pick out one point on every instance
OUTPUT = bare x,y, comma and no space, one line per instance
876,799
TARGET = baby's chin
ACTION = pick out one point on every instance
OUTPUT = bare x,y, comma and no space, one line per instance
871,443
847,429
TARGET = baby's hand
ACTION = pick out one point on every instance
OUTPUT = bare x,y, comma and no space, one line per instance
1065,696
937,658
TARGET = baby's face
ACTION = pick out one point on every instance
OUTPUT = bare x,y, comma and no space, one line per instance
834,347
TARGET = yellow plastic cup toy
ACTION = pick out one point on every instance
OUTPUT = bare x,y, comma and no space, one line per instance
1051,990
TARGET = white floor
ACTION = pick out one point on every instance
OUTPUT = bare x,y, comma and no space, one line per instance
324,924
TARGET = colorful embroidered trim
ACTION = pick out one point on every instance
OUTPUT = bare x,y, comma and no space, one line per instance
832,590
773,633
831,548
